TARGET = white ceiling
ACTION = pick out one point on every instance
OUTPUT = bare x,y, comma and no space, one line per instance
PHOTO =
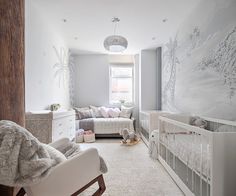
90,21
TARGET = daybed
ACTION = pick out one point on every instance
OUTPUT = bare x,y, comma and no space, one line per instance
106,125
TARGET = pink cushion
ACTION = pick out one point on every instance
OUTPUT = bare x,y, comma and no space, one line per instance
114,112
104,112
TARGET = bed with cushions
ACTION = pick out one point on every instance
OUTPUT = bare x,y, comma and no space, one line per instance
104,121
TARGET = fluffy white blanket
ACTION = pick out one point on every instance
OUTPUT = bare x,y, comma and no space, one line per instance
24,160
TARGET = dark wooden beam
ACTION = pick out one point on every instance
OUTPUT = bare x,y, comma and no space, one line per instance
12,82
12,93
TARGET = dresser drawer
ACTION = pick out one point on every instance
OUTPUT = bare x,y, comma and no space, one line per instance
70,127
57,124
63,127
58,129
58,134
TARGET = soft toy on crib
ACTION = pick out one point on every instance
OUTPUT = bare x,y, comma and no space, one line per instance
129,137
198,122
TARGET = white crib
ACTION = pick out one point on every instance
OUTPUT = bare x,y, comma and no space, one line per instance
201,161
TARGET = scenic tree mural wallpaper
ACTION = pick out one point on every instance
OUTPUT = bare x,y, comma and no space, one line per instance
199,63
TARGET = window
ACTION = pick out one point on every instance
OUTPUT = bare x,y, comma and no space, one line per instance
121,84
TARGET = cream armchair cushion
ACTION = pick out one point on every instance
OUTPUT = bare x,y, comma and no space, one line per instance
71,175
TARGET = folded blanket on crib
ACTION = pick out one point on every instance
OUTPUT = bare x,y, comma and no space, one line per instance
26,161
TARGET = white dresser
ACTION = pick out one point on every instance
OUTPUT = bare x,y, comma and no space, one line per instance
51,126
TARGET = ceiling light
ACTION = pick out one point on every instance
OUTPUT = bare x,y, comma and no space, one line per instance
115,43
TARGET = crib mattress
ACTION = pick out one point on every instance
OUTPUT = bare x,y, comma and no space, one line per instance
192,149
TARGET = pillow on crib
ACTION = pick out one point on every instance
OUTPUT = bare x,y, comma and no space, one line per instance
226,128
114,112
104,112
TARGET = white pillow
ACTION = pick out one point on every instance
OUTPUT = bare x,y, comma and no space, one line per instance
104,112
126,112
114,112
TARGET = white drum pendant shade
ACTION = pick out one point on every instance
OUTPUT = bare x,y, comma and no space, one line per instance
115,43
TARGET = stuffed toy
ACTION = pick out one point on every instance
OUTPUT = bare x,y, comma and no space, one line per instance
55,107
198,122
153,144
129,136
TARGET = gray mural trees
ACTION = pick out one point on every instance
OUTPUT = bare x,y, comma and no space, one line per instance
222,60
171,61
64,71
62,67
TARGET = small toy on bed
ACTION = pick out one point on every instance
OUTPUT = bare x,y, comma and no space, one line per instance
129,137
198,122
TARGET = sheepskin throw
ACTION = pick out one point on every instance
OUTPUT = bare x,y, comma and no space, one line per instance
23,159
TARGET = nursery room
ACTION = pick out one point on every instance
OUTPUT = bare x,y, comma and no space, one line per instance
117,98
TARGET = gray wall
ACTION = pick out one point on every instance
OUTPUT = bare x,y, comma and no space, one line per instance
148,70
150,79
92,80
159,75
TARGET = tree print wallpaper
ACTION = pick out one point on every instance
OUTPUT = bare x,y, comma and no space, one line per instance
199,63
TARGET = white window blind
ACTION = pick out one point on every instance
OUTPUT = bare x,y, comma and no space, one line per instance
121,84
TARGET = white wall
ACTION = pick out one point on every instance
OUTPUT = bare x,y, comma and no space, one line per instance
41,87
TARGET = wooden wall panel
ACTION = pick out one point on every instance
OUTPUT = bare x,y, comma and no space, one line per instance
12,105
12,101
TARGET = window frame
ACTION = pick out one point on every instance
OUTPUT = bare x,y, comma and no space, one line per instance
110,82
